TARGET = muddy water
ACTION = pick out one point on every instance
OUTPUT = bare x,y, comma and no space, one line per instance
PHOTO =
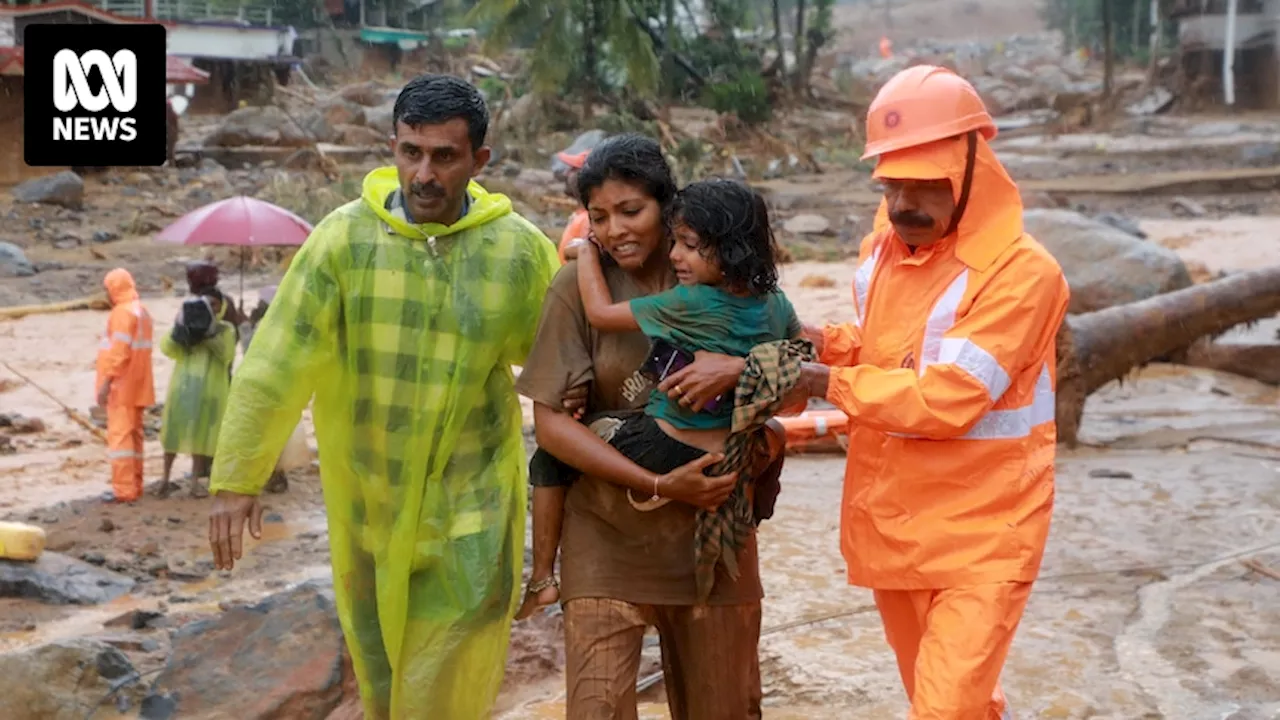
1143,608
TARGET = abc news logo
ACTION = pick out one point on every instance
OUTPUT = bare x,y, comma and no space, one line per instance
94,95
71,91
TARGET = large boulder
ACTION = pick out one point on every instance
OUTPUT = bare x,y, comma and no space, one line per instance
14,262
261,126
281,659
65,188
380,118
1105,266
60,681
60,580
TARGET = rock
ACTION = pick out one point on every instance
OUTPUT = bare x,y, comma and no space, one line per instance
14,262
105,236
317,127
23,425
60,580
61,680
1188,208
1103,265
520,114
368,94
282,658
1120,222
359,135
380,118
807,225
65,188
267,125
134,619
342,112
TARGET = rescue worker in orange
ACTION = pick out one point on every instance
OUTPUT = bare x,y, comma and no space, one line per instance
124,384
947,375
579,223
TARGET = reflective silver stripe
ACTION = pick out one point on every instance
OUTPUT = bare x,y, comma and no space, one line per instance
979,363
1018,423
141,345
941,318
1007,714
105,343
121,454
862,286
125,338
136,308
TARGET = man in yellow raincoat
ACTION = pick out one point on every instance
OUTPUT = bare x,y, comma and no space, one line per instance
403,314
947,374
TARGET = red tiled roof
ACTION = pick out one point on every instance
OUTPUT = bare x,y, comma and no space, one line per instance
178,70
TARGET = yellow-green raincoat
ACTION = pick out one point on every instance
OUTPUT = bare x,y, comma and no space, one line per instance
406,335
198,390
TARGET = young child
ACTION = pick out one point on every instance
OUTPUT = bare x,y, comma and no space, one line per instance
727,301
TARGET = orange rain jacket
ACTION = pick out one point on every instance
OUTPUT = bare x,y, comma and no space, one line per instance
947,374
578,227
124,353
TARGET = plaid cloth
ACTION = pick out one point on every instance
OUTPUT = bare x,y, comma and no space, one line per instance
773,369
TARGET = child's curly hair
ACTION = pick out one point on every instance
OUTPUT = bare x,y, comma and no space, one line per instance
732,224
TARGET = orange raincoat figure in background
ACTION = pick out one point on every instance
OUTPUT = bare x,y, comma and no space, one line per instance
579,224
124,385
947,374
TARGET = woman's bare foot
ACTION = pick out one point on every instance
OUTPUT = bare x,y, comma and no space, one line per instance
165,489
540,594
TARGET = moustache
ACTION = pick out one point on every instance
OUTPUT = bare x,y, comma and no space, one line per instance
911,219
426,190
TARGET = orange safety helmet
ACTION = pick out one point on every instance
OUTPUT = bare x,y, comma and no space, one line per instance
924,104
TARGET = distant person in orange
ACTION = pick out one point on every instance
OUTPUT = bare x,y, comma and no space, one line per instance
886,47
124,384
947,374
579,224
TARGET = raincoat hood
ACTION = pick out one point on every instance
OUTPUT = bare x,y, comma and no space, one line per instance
382,182
992,219
120,286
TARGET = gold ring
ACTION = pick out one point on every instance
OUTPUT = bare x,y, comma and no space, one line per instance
679,390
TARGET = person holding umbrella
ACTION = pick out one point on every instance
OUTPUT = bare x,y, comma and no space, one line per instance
402,314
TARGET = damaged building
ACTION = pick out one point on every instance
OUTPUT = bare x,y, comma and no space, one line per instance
1228,51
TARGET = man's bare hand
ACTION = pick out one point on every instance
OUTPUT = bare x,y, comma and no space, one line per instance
710,376
104,394
815,335
688,485
574,400
226,526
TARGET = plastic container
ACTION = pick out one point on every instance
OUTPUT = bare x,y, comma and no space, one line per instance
19,541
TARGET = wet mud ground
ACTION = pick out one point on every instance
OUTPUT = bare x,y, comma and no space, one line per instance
1145,608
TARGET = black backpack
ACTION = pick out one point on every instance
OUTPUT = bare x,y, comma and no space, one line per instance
195,322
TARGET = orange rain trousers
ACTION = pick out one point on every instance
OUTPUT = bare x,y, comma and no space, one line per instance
124,448
951,645
124,358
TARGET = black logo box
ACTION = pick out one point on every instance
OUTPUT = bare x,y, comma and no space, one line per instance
41,43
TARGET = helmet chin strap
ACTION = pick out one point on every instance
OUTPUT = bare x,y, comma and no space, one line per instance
970,156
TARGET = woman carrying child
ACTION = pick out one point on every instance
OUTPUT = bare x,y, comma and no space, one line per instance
627,564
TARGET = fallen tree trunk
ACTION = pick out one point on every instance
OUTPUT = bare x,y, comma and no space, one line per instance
92,302
1096,348
1257,362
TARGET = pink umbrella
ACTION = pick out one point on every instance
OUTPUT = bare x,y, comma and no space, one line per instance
241,221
